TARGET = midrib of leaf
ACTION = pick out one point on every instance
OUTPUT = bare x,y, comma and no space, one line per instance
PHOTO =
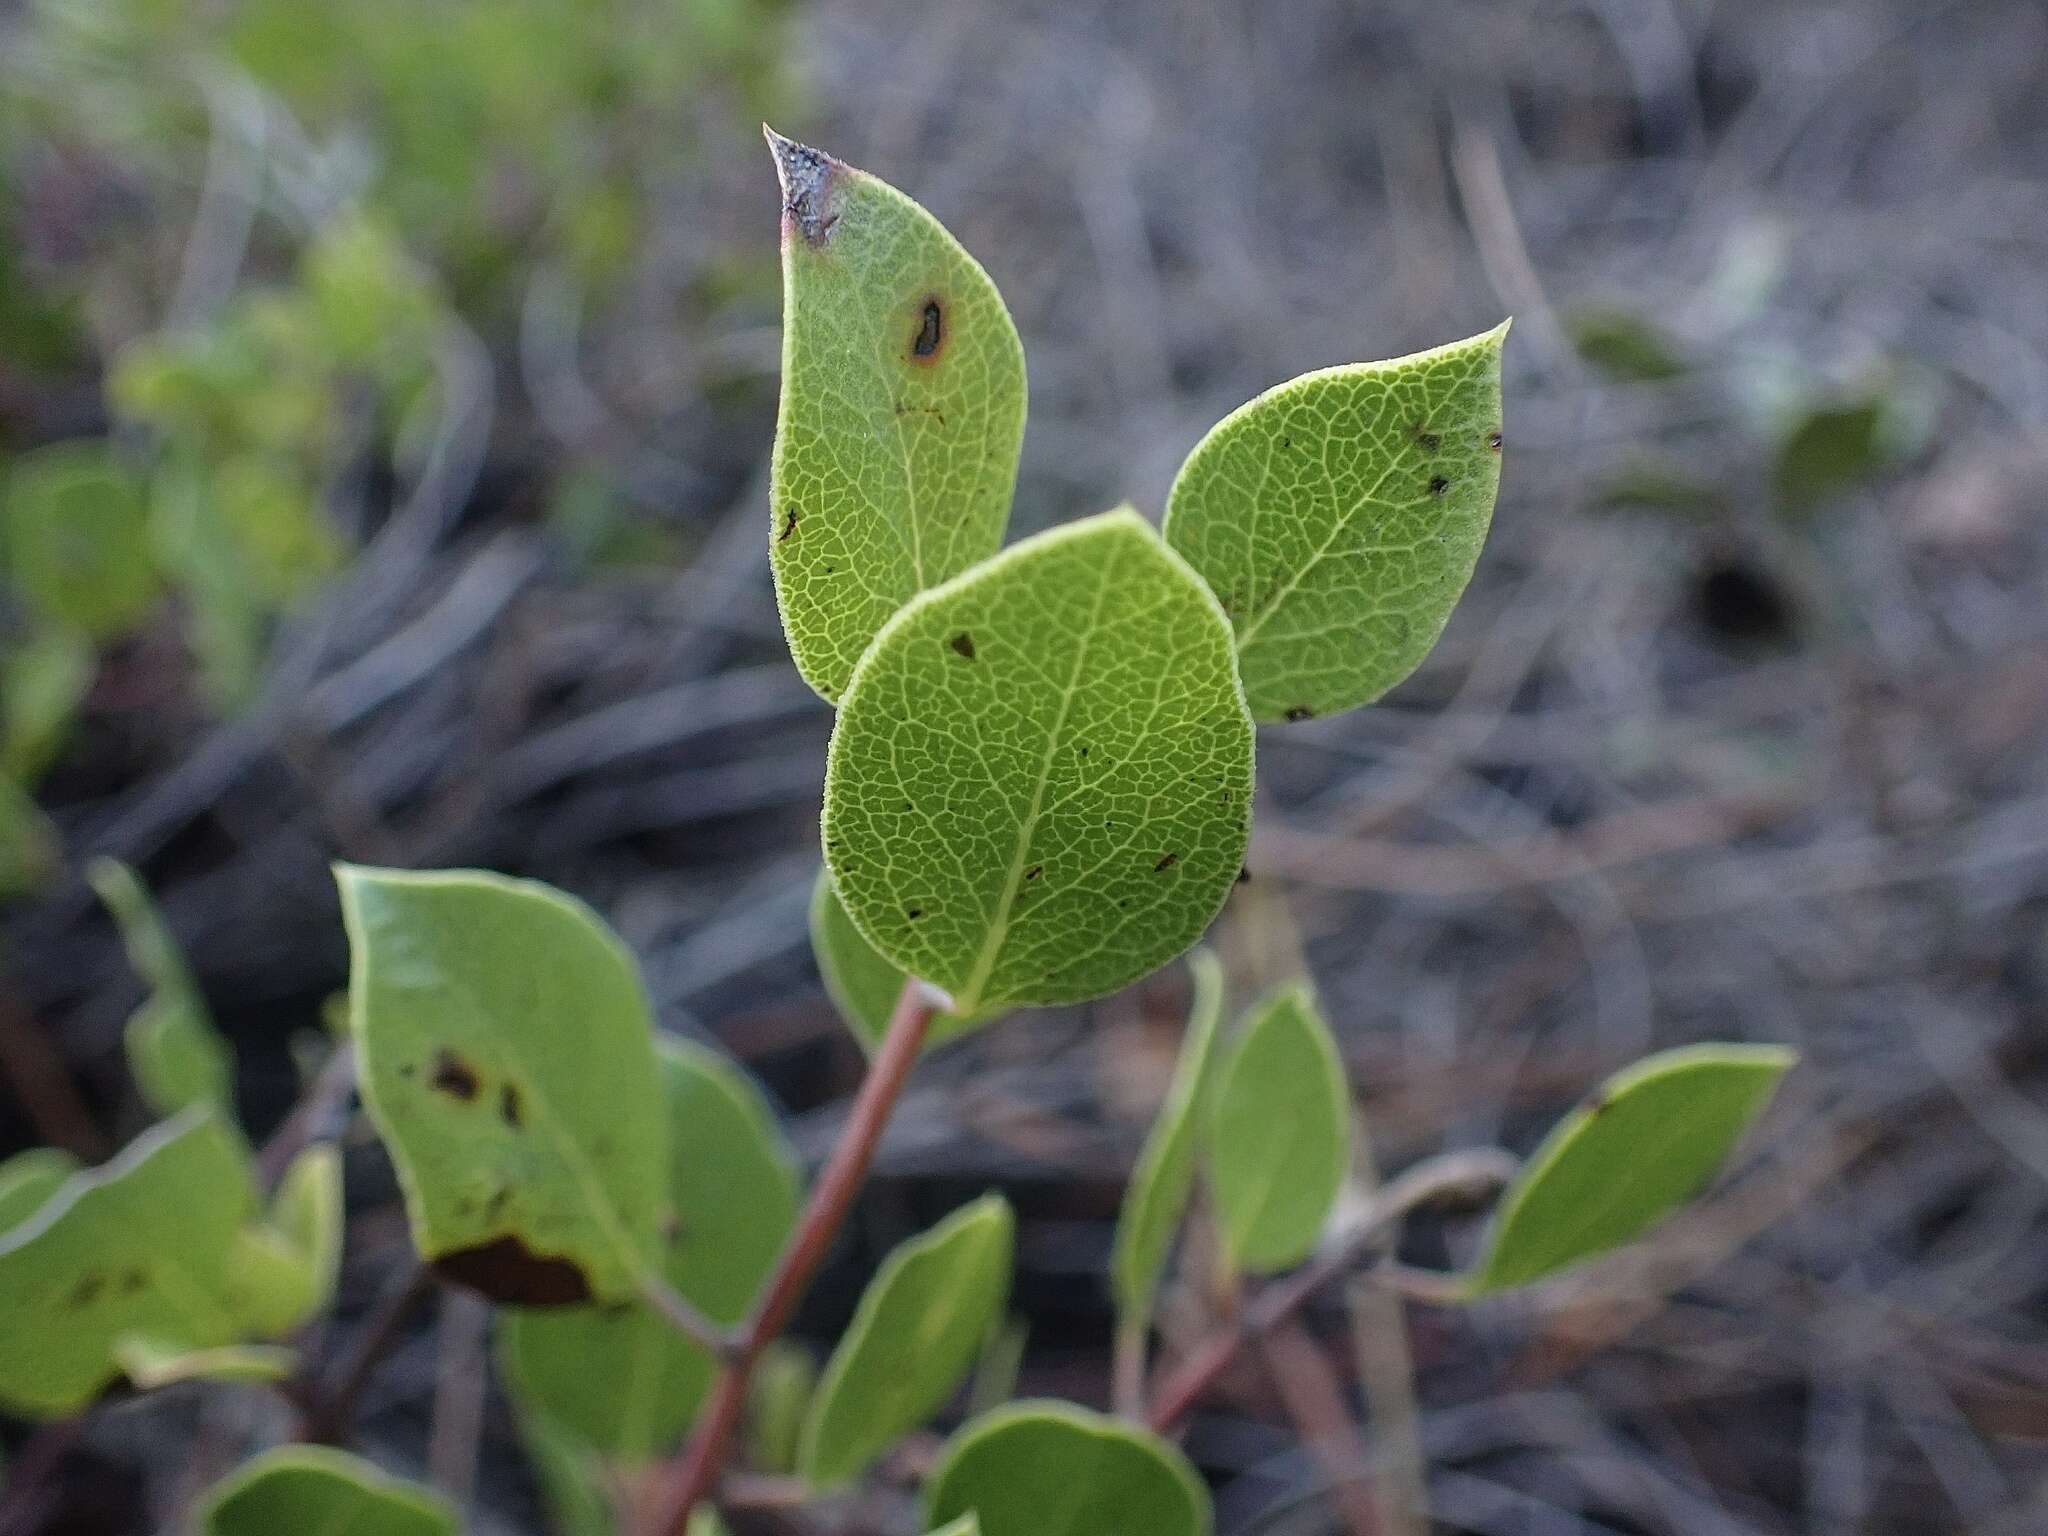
999,924
1270,1168
1340,526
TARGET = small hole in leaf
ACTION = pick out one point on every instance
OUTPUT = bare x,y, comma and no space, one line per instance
962,645
931,331
914,913
1034,872
1438,485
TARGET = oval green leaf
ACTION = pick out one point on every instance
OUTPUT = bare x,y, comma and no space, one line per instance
143,1245
307,1213
1165,1172
507,1058
1649,1139
1039,787
176,1055
622,1379
918,1329
311,1488
1279,1134
902,410
862,984
1338,517
1040,1468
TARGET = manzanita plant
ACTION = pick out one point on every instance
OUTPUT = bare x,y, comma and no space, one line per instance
1039,790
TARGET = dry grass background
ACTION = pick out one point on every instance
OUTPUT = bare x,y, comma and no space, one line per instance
1667,778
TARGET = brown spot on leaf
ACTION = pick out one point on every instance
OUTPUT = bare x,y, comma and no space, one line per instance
1430,441
505,1269
1438,485
508,1105
87,1291
1034,872
788,525
962,645
453,1076
133,1280
1165,863
1300,712
1493,440
931,331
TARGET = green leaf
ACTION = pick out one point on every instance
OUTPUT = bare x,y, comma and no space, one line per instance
142,1245
778,1402
311,1488
29,1178
42,683
1165,1173
1039,786
30,848
1650,1138
271,1287
571,1478
902,411
176,1055
1052,1469
622,1379
1338,517
508,1060
307,1213
1279,1134
862,984
966,1525
1827,449
76,539
1625,346
918,1329
152,1363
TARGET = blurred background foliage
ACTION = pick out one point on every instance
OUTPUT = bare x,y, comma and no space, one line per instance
385,394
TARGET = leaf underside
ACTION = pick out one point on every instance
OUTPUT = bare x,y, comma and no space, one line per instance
1165,1172
1338,517
1039,784
622,1380
1039,1468
1650,1139
862,984
1280,1134
902,411
507,1059
918,1328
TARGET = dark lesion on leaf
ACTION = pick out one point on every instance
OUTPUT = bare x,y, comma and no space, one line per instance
1428,441
509,1107
505,1270
1166,862
930,337
808,179
86,1291
962,645
788,525
1494,439
454,1076
1034,872
1438,485
1300,712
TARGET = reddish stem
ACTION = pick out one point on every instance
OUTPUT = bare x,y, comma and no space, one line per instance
691,1478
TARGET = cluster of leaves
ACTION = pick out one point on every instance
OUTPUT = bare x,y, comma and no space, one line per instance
1038,790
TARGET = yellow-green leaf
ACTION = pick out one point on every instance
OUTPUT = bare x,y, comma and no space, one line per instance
176,1055
307,1213
312,1489
29,1178
902,410
42,682
1279,1134
143,1245
570,1476
862,984
778,1402
507,1057
1650,1138
1165,1172
1338,517
919,1326
1039,786
1051,1469
76,539
622,1379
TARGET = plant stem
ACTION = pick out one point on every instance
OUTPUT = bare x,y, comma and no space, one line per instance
682,1315
1467,1173
331,1419
690,1478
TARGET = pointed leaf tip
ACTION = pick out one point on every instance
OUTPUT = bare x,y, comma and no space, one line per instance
807,176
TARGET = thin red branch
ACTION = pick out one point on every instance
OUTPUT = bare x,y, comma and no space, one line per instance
690,1479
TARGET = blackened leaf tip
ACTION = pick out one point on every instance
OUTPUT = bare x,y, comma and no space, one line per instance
807,176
